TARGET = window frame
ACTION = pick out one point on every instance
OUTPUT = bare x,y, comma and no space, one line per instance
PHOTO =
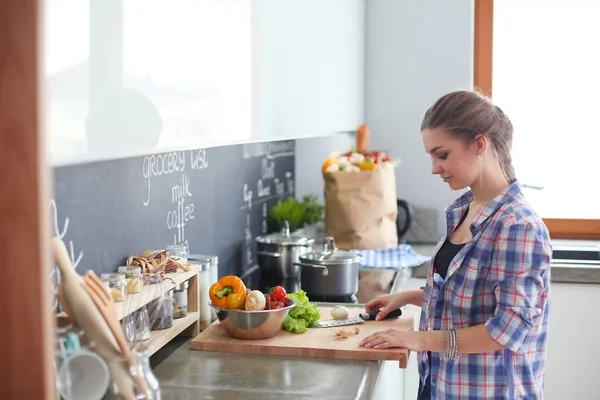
585,229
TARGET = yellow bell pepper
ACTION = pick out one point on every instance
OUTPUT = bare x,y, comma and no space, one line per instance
229,292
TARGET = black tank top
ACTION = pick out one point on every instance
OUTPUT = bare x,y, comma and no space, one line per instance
441,263
447,252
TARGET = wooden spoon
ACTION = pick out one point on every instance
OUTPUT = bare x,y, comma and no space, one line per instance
105,303
81,307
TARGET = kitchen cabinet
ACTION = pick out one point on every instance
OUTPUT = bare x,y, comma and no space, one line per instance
573,345
308,67
133,77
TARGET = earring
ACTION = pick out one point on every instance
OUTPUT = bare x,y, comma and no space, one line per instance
480,156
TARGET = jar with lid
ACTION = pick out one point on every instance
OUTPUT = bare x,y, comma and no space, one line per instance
115,283
180,294
209,274
161,312
133,278
178,252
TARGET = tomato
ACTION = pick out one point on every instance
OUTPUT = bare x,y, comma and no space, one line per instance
274,305
287,301
277,293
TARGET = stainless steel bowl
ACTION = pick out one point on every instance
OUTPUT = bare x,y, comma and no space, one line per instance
252,325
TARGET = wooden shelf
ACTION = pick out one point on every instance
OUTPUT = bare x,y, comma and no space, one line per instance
150,292
133,302
160,338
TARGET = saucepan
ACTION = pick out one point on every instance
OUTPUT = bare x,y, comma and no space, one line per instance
329,272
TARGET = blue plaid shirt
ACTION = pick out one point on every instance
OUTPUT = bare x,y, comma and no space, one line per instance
500,278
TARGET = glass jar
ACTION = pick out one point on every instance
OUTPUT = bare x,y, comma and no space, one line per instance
178,252
115,283
142,325
180,294
213,273
132,382
161,312
133,278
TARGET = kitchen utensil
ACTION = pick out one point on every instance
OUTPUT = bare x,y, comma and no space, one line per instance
315,343
362,317
106,305
277,252
329,272
88,317
83,375
252,325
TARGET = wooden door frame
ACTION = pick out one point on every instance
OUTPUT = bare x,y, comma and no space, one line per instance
27,329
483,46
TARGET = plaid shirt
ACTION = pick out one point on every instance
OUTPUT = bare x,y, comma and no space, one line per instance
500,278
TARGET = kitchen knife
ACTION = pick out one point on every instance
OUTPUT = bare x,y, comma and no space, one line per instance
366,316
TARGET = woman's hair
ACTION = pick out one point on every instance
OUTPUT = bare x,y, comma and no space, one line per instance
466,114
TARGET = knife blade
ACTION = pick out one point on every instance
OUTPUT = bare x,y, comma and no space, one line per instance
366,316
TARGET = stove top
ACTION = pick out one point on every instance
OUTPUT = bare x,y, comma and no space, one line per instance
292,284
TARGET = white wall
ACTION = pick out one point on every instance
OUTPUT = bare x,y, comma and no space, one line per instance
310,155
416,50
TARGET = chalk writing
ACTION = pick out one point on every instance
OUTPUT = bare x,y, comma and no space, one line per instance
75,260
290,183
248,240
184,208
161,164
264,218
269,149
262,190
267,170
247,197
281,149
198,159
279,187
62,233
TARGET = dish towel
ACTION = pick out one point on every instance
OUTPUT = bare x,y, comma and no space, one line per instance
402,256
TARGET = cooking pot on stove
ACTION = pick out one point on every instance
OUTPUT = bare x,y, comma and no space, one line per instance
277,252
329,272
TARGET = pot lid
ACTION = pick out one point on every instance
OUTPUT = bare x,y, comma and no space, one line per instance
285,238
330,255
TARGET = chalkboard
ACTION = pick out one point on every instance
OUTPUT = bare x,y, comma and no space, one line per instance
215,201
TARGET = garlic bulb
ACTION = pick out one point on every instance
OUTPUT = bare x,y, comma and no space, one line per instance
255,300
339,312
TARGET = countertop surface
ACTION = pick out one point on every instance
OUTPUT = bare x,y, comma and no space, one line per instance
188,374
563,272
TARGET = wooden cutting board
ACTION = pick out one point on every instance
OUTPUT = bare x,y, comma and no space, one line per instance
317,342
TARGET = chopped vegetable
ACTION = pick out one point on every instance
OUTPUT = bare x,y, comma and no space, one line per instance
302,315
347,332
229,292
339,312
255,300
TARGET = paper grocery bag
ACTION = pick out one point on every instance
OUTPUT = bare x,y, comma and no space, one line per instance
361,209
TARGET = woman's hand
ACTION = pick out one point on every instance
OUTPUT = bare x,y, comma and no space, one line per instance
392,338
389,302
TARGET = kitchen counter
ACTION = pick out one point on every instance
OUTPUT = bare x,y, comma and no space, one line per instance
188,374
193,374
563,272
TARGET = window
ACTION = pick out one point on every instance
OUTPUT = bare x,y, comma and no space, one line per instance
539,60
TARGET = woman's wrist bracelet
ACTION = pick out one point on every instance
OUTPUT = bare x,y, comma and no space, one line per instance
449,344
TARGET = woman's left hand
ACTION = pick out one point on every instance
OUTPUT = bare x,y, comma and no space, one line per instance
391,338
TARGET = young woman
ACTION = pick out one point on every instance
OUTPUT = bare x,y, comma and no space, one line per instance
485,307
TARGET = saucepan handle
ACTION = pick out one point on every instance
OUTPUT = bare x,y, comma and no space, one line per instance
306,265
268,254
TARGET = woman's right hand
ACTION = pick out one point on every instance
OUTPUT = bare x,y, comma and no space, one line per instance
387,303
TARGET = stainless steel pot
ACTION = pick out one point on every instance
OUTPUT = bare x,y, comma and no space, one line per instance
330,272
277,252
